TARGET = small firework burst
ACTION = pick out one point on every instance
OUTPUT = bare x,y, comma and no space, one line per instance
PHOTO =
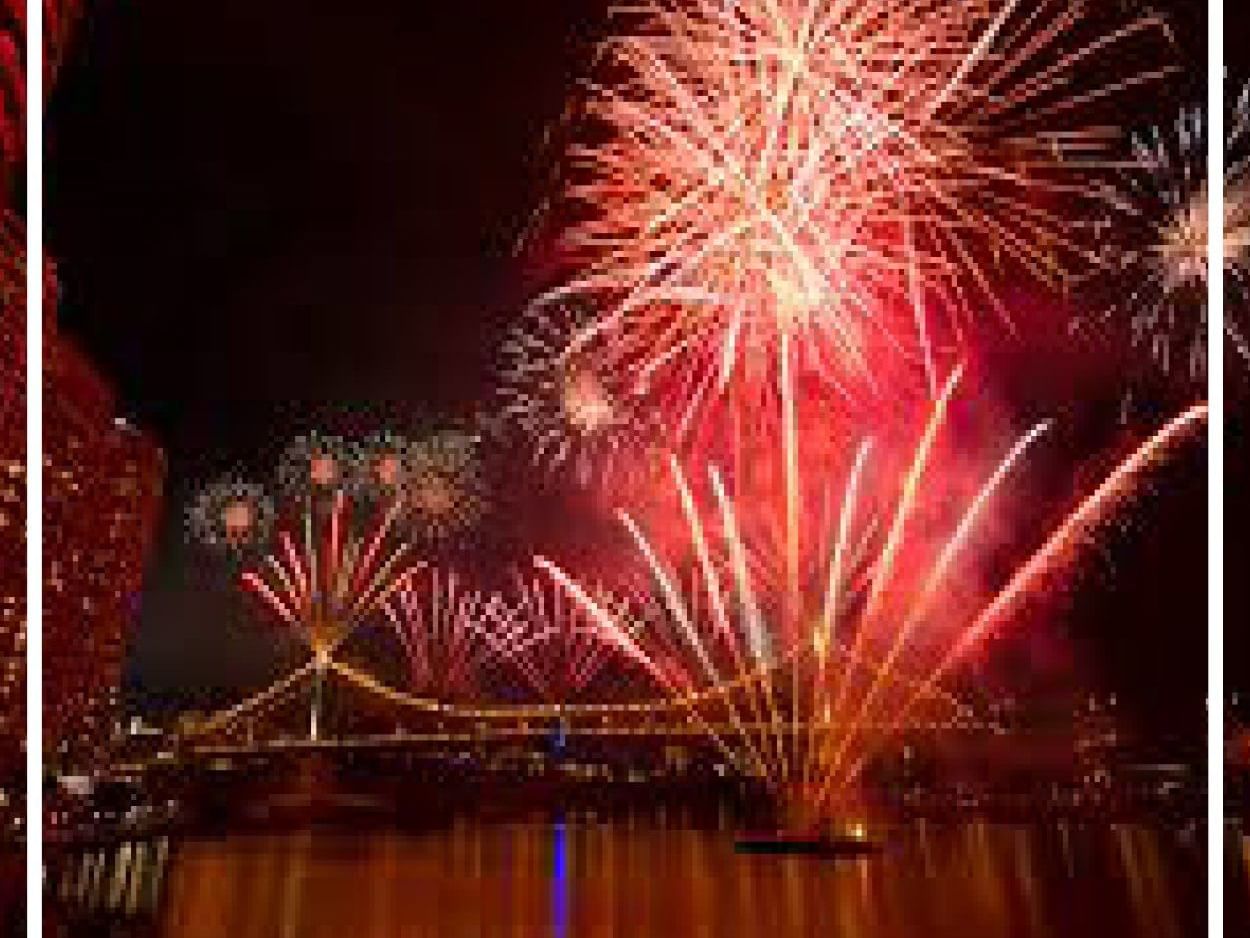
444,494
574,411
231,515
316,464
1166,310
384,464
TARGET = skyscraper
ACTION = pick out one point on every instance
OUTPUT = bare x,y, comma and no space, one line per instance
103,482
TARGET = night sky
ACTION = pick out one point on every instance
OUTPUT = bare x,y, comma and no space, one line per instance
272,217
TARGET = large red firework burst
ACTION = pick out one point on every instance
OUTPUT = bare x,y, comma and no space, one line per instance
827,188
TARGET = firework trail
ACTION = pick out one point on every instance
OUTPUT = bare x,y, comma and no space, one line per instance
850,180
329,571
545,642
524,643
573,411
1166,185
1059,552
864,652
823,659
1079,528
439,621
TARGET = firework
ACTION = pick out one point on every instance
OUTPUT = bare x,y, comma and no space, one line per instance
821,671
525,642
1237,219
547,643
231,515
315,465
384,465
575,412
766,174
1166,183
444,494
330,571
439,621
331,557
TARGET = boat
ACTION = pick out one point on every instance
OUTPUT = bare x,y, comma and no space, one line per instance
807,843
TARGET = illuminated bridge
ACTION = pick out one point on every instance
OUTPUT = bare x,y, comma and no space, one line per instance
331,706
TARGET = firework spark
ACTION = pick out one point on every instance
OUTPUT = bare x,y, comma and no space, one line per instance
384,465
1237,221
765,171
574,411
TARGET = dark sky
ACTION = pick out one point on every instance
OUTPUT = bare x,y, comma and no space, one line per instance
269,215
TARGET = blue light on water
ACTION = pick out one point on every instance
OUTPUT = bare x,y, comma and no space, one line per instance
559,881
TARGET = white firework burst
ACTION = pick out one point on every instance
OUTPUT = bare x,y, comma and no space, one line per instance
577,414
1167,269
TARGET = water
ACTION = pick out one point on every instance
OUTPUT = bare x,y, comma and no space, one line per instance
638,878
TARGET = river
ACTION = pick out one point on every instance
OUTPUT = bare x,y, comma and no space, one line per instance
647,875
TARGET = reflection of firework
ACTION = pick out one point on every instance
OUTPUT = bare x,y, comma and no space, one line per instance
572,409
1167,308
315,464
445,494
329,571
230,514
796,685
766,172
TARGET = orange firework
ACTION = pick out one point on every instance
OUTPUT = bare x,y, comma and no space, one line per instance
328,573
798,686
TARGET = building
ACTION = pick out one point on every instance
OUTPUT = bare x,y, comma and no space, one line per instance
12,512
103,483
12,420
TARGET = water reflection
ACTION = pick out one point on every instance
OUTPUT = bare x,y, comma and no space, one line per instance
637,877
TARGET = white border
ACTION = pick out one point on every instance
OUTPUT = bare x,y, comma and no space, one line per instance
34,467
1215,468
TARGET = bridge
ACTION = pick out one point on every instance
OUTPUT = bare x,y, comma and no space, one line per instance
331,709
